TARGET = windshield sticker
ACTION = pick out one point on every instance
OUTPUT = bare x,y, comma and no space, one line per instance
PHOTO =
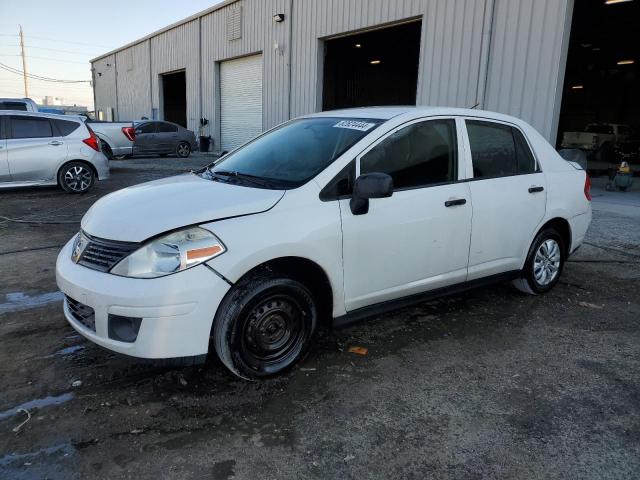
355,125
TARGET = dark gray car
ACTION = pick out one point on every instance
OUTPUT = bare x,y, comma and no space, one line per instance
163,138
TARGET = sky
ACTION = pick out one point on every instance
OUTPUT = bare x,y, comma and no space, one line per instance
61,36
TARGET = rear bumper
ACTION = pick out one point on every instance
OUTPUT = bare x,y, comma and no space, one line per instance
176,311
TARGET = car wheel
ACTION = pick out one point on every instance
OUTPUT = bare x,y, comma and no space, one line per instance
183,150
544,264
76,177
265,325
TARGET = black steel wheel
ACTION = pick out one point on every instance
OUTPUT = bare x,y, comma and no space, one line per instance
265,325
76,177
183,150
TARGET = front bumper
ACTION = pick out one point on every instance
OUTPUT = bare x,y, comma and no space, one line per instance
177,311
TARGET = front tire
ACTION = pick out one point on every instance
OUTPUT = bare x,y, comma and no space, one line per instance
76,177
265,325
544,263
183,150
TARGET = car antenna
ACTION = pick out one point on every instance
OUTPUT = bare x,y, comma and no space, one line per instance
476,105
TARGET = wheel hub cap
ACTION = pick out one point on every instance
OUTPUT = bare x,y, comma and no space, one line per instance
546,262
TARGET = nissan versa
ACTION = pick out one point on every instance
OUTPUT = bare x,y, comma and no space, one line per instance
325,218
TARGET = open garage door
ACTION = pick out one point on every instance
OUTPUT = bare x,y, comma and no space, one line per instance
600,111
378,67
174,97
240,100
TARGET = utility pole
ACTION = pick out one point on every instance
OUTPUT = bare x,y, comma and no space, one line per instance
24,64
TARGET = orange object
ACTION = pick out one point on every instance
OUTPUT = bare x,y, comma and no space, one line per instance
359,350
203,252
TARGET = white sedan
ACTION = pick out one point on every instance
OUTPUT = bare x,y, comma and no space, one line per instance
329,217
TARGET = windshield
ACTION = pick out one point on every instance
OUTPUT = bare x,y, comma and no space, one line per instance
292,154
596,128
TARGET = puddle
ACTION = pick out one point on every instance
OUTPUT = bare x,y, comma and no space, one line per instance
18,301
66,351
37,403
65,449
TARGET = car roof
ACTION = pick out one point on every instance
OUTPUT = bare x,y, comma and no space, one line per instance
40,114
386,113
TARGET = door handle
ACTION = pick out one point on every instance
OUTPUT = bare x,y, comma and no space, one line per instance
453,203
55,142
535,189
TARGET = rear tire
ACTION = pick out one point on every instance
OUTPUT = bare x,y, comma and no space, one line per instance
76,177
183,150
544,263
265,325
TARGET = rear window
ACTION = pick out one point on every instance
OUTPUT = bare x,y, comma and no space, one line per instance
65,127
21,106
30,127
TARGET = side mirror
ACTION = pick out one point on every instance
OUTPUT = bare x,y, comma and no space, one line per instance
369,185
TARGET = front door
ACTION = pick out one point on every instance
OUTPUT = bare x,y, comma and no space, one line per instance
145,137
5,175
33,152
417,239
509,197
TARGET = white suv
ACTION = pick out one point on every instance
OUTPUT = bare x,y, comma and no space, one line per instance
47,149
326,218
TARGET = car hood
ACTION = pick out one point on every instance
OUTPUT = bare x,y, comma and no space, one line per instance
137,213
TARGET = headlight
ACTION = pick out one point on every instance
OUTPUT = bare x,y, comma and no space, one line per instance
171,253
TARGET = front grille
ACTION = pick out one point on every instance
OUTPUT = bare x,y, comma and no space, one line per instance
100,254
82,313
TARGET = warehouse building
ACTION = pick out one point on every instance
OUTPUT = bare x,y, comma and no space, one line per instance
244,66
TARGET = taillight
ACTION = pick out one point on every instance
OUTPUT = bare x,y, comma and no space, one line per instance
93,141
129,132
587,187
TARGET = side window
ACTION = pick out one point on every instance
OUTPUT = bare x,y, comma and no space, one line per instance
166,128
147,128
526,160
65,127
30,127
498,150
421,154
341,185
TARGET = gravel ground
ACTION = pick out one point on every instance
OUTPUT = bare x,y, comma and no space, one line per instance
487,384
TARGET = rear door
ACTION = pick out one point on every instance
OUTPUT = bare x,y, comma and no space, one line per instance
508,192
145,137
5,175
34,152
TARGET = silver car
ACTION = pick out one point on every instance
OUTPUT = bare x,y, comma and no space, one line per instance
163,138
49,149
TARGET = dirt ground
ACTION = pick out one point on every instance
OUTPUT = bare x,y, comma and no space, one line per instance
487,384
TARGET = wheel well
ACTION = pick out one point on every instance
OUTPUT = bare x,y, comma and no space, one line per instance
564,229
307,272
93,169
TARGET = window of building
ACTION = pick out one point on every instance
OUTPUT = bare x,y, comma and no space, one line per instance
30,127
421,154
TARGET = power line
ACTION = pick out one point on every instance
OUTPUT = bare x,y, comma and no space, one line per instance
73,52
39,77
46,58
56,40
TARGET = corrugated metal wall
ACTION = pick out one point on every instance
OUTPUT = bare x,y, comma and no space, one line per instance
449,54
527,60
134,88
104,88
260,34
173,50
524,42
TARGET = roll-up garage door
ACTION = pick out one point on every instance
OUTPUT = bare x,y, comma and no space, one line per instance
240,100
